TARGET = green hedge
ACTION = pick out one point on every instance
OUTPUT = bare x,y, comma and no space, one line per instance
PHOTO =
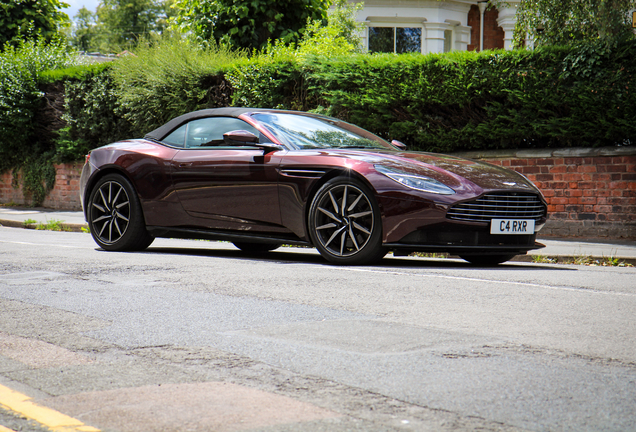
555,97
550,97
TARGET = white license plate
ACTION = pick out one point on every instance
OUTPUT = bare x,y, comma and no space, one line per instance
512,226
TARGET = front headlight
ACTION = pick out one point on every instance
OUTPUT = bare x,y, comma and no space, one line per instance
418,182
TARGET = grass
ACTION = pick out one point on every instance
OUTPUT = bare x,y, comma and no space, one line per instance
609,261
52,225
28,222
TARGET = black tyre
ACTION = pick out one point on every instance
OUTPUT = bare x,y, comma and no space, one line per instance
115,217
345,224
256,247
487,260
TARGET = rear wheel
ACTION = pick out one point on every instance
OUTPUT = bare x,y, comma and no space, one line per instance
487,260
115,217
345,224
256,247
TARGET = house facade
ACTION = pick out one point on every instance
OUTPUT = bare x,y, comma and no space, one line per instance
432,26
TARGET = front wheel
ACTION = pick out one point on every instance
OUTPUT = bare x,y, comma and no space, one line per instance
115,217
345,224
487,260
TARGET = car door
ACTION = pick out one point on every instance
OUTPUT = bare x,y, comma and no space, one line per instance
234,186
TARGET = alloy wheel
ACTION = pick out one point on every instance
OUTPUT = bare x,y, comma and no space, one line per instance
343,220
110,212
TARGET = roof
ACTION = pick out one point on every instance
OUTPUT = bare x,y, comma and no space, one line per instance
162,131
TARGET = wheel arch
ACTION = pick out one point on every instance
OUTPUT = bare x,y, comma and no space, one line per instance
97,176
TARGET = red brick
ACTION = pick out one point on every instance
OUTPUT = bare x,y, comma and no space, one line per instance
559,169
572,177
530,170
602,160
547,192
559,214
617,185
586,168
544,177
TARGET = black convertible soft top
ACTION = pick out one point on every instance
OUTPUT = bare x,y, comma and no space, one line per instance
163,131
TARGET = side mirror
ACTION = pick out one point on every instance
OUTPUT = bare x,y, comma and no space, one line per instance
398,144
243,137
238,137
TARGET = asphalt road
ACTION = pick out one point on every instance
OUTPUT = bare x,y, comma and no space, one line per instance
194,335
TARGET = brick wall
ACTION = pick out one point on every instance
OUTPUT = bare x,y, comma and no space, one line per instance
65,193
590,192
493,34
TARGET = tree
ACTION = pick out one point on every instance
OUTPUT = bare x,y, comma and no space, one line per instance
247,24
566,22
20,19
85,30
120,23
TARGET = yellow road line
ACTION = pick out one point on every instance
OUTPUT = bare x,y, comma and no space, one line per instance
56,421
4,429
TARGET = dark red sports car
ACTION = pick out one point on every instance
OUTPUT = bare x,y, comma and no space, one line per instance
261,178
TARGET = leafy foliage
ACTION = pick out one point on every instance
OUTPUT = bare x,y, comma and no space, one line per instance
567,22
274,78
244,24
168,78
120,23
85,31
20,99
20,96
92,114
550,97
20,19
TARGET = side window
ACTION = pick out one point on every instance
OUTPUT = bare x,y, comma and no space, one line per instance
177,137
208,132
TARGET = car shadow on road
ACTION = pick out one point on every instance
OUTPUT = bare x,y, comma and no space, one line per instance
298,256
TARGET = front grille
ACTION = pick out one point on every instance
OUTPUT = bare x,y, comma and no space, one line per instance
500,205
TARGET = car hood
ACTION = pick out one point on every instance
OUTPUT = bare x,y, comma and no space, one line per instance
450,170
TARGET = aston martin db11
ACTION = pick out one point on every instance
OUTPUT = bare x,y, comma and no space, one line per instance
261,178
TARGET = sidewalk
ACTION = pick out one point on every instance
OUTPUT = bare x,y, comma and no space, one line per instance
555,248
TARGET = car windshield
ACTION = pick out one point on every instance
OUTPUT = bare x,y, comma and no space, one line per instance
305,132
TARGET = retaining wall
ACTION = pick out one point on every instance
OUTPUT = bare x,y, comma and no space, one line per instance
65,193
591,193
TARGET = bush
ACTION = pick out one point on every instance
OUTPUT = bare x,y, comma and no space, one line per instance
20,99
91,113
171,77
549,97
20,96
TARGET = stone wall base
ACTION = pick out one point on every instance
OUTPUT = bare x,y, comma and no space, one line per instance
588,229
